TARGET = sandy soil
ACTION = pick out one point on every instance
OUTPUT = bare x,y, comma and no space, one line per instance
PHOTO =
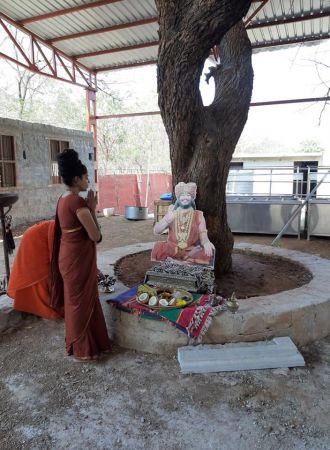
253,274
141,401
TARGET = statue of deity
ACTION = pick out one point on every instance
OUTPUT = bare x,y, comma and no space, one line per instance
187,235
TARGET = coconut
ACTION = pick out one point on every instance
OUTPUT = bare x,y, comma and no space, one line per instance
163,302
143,298
153,301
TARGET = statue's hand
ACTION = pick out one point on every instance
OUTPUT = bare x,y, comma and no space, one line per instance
208,248
170,216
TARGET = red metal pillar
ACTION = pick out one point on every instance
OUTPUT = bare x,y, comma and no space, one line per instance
92,127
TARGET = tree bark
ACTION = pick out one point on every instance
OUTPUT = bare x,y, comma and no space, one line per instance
203,139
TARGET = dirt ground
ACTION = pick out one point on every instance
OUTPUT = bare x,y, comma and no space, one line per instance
253,274
140,401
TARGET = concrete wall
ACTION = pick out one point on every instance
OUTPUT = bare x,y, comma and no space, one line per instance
37,196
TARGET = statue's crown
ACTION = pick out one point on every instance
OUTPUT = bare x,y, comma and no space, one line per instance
186,188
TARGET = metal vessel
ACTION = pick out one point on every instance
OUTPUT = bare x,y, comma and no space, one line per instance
136,212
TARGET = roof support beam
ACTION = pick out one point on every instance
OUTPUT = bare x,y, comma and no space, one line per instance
122,116
291,41
62,12
126,66
49,75
17,44
269,103
272,23
290,101
116,50
255,12
120,26
48,66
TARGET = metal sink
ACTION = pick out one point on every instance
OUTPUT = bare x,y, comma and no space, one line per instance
7,199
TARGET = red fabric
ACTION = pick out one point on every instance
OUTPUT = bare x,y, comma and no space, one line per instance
193,320
85,329
28,284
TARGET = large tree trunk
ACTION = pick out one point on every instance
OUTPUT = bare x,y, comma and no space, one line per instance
203,139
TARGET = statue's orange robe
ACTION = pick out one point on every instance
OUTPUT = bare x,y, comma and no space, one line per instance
29,278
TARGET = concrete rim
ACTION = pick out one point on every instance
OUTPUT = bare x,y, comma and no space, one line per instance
302,313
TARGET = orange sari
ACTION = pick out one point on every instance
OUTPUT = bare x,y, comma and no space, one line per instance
28,284
75,257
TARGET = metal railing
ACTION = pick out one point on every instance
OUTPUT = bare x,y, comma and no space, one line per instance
278,181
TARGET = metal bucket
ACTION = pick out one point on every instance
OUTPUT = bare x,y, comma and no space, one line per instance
136,212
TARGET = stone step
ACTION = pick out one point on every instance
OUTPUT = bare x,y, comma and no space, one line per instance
279,352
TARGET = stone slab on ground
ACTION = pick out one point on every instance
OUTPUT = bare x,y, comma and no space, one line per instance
279,352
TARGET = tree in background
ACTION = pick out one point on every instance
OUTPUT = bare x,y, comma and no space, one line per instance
36,98
132,144
202,138
136,144
310,146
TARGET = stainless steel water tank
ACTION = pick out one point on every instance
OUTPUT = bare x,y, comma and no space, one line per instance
136,212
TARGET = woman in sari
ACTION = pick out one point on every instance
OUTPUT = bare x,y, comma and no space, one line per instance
74,270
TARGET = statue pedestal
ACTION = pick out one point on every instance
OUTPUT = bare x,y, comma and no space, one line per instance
193,278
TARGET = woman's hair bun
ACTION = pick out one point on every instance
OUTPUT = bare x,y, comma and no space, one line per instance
70,166
68,157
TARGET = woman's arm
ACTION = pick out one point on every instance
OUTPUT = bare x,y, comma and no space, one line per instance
93,230
85,217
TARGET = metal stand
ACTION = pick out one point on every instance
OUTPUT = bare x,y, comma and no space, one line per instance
3,215
298,210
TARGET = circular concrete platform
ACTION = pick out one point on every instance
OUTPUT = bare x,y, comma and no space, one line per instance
302,313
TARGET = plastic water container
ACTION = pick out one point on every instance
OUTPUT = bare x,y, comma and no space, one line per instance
107,212
166,196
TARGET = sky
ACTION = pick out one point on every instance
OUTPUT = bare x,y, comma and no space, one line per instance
278,74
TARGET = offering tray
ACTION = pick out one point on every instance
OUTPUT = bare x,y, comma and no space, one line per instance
164,293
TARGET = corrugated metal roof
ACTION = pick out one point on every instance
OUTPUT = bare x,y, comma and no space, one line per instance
278,22
110,40
268,29
120,58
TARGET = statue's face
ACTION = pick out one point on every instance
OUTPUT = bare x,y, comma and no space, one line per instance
185,200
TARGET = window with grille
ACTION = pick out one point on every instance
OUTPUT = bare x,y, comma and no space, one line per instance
7,162
56,147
